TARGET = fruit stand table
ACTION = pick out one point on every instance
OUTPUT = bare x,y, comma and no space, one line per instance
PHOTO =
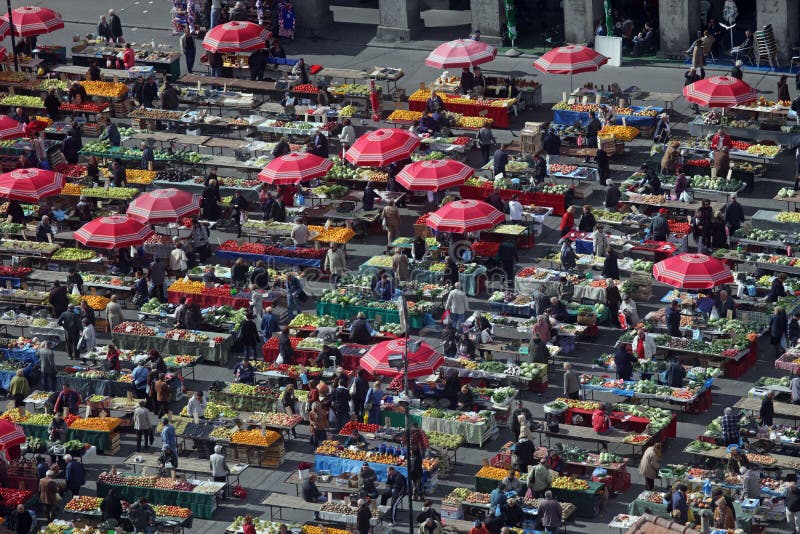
254,403
559,202
27,355
481,108
619,478
720,454
108,388
473,433
473,283
587,501
269,260
249,192
348,311
239,300
210,350
622,420
202,504
782,409
520,234
653,503
104,441
698,128
569,117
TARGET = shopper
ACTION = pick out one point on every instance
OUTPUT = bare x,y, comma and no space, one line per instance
143,426
650,465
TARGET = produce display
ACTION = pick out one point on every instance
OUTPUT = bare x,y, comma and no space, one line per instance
132,327
255,438
570,483
266,250
619,111
28,246
73,254
620,133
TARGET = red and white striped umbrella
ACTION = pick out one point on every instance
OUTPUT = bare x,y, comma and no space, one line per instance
570,59
719,92
34,20
382,147
434,175
460,53
421,362
692,271
235,36
5,31
10,434
114,231
29,185
163,205
463,216
294,168
9,128
3,51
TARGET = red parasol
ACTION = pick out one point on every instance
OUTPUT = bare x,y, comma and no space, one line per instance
9,128
692,271
570,59
434,175
465,216
460,53
163,205
10,434
34,20
719,92
235,36
115,231
421,362
29,185
294,168
3,51
382,147
5,31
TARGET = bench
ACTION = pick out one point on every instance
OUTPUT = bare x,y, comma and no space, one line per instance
587,433
281,501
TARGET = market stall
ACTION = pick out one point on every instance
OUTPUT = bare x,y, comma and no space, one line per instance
212,346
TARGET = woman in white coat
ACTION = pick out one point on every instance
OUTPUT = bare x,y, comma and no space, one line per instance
644,346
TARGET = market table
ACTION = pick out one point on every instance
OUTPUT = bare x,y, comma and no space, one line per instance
565,116
581,433
473,284
498,114
336,466
27,355
104,441
640,506
667,98
210,350
721,454
631,423
347,312
558,202
698,128
329,487
202,505
269,260
108,388
196,466
239,300
587,502
789,410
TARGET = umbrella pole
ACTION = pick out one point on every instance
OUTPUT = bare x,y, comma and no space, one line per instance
409,483
13,41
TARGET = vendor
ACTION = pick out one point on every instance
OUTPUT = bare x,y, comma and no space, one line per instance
57,431
467,81
651,183
384,289
196,405
434,103
68,398
737,460
623,362
356,439
427,124
465,401
722,162
730,431
674,374
244,372
659,226
670,158
777,289
210,277
512,482
601,421
538,350
524,451
332,355
644,347
721,139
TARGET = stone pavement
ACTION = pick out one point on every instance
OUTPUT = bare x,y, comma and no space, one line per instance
348,46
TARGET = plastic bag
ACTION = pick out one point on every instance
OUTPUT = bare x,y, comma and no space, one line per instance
76,291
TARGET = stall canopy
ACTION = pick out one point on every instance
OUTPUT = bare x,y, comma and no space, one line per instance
692,271
10,434
235,36
30,185
421,362
379,148
570,59
460,53
115,231
434,175
719,92
9,128
163,206
463,216
34,20
294,168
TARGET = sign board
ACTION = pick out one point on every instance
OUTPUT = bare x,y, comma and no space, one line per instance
611,47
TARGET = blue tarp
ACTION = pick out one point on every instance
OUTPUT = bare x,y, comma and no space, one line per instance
563,116
25,355
283,260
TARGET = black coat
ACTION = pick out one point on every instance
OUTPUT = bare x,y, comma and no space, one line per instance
776,290
116,26
767,411
363,517
734,215
623,360
778,326
611,267
673,320
587,223
248,335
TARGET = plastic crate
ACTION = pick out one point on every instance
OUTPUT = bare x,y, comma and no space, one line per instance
452,512
538,387
501,460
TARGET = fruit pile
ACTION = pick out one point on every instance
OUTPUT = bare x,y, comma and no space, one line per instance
96,302
305,88
348,428
222,433
181,334
404,115
261,249
562,168
73,254
679,227
134,328
163,510
181,285
72,171
105,89
101,424
494,473
12,498
740,145
279,419
87,107
336,234
766,151
83,504
569,483
23,101
139,177
698,162
71,189
620,133
478,498
272,343
254,437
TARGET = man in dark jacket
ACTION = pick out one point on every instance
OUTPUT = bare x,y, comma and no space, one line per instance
397,487
500,160
611,265
702,233
21,520
767,411
776,289
58,299
360,394
363,517
673,319
792,504
258,64
623,361
552,146
116,26
613,196
71,323
149,92
675,374
169,97
360,331
508,255
659,226
734,214
724,305
592,129
310,491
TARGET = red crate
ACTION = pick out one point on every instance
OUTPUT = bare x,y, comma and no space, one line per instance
502,461
538,387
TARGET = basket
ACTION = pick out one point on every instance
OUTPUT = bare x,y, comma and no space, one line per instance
586,318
